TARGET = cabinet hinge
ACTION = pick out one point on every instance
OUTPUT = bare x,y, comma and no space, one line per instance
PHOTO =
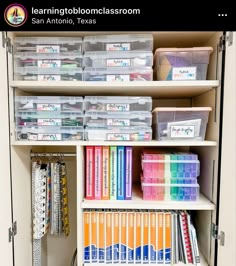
218,236
229,38
6,42
12,231
222,43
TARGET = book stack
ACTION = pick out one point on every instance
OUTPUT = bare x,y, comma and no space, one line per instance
108,171
170,176
150,237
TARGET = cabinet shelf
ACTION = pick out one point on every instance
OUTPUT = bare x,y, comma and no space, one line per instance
160,89
138,203
152,143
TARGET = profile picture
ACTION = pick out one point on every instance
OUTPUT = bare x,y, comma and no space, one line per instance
15,15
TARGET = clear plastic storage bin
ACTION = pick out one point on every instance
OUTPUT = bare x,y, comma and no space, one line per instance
173,189
118,74
52,45
122,134
180,123
48,74
182,63
39,118
48,61
129,42
117,104
42,133
49,104
118,59
125,119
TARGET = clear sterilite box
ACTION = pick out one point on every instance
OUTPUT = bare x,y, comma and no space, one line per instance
128,42
119,134
39,118
42,133
176,165
103,119
28,60
173,189
182,63
118,74
52,45
48,104
48,74
118,59
117,104
180,123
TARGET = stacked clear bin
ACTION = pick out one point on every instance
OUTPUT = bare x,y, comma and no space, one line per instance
49,118
48,58
118,57
118,118
170,176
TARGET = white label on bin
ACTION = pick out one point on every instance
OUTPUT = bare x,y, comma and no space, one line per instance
49,63
48,107
118,78
117,107
118,122
52,49
118,46
49,136
118,62
49,77
184,73
182,131
49,122
118,136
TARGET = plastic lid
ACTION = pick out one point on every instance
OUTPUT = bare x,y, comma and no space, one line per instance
193,49
191,109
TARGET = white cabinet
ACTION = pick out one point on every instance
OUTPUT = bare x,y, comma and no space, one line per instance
217,181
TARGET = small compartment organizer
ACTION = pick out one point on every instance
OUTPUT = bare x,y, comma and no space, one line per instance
48,74
49,104
117,104
123,133
42,133
43,118
182,63
180,123
118,74
103,119
118,59
176,189
52,45
134,42
28,60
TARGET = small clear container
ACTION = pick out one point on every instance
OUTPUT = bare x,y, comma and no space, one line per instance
118,74
103,119
118,59
117,104
119,134
111,43
47,133
52,45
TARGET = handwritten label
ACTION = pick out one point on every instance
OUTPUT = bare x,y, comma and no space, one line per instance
49,137
49,77
118,62
182,131
48,107
118,122
118,46
49,63
118,77
184,73
118,136
53,49
49,122
117,107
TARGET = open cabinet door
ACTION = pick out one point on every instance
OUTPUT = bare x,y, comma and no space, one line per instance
227,202
5,186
